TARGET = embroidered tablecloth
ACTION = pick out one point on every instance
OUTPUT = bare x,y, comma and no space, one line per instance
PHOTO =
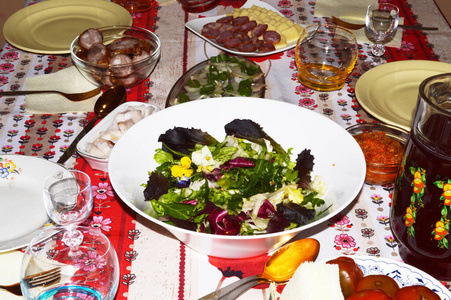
154,265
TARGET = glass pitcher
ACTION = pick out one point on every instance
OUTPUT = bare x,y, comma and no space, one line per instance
421,208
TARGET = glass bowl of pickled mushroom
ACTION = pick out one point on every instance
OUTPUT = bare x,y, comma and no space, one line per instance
116,55
383,147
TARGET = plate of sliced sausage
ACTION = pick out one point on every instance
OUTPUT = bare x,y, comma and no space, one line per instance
255,29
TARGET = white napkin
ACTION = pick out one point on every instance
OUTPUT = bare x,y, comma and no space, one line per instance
10,263
354,11
68,80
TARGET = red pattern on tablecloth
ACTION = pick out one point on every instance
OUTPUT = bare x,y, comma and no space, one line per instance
109,216
109,213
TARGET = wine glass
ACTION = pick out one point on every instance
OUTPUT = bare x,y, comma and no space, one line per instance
381,23
68,201
93,275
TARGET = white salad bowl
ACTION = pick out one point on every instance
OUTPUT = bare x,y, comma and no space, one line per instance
339,162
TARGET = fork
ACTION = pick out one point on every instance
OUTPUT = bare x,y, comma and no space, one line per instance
354,26
71,96
40,279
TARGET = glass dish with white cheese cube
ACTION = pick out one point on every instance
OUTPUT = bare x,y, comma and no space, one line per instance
96,145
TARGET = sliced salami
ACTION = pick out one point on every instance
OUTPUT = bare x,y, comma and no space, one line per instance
259,30
129,46
211,30
271,37
210,33
249,26
224,36
213,25
249,47
227,27
246,40
240,20
117,63
99,54
226,19
248,29
90,37
241,35
232,43
266,47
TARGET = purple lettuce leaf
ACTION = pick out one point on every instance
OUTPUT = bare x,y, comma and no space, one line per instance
157,185
267,210
304,166
296,213
277,223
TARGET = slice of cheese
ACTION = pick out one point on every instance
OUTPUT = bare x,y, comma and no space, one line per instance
282,43
282,26
314,281
291,34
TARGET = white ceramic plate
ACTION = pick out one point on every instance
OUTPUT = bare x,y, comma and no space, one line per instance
403,274
196,27
50,26
338,160
97,162
22,211
389,92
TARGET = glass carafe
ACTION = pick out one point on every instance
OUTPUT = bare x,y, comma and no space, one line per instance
421,209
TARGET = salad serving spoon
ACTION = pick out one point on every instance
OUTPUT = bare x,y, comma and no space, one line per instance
279,268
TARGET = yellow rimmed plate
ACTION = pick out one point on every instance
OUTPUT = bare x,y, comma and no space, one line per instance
50,26
389,92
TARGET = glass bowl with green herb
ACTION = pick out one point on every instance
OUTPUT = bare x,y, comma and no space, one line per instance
219,76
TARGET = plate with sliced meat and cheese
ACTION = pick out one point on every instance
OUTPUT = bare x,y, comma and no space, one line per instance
255,29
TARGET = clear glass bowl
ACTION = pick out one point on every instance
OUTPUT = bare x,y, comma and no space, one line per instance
381,173
88,271
103,74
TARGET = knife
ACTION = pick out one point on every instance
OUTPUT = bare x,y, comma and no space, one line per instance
418,27
73,146
355,26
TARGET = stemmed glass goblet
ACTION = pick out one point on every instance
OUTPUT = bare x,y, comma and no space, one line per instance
68,201
381,23
84,257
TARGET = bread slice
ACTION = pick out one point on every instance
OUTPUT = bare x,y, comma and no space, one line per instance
314,281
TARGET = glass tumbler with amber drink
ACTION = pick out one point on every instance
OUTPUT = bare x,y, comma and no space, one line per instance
421,208
325,56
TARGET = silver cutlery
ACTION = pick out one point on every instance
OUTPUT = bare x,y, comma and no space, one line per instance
70,96
354,26
39,279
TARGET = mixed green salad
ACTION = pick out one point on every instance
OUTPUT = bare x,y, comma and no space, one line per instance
246,184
